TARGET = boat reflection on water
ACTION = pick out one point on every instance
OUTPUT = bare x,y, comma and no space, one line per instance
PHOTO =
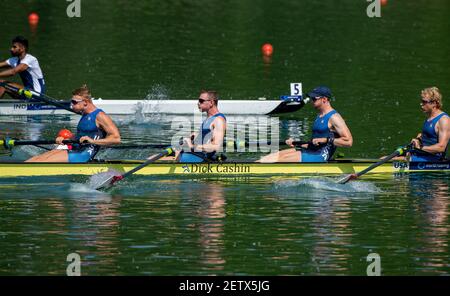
431,199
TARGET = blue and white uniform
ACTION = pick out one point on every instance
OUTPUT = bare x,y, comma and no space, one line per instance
32,77
86,127
320,130
203,138
429,137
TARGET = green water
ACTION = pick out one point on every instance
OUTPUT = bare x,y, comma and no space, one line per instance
375,68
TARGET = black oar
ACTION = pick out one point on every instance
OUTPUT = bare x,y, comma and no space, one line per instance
29,94
10,143
113,179
241,144
398,152
230,144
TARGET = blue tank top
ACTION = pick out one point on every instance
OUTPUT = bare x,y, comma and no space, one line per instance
205,131
206,127
320,127
88,127
321,130
429,136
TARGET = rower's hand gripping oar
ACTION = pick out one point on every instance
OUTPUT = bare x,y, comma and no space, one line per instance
114,179
29,94
400,151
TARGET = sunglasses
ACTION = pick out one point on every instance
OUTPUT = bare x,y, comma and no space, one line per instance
74,102
201,101
424,102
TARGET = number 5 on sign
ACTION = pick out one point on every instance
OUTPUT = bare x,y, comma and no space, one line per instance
296,89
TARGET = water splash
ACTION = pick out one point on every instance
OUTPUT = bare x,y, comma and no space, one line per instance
98,179
81,190
328,184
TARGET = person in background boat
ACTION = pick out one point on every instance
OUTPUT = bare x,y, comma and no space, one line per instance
203,145
24,64
95,129
328,132
432,143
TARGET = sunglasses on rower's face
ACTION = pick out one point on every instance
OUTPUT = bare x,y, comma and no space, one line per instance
201,101
424,102
74,102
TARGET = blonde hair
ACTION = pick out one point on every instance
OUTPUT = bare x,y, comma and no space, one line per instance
82,91
434,95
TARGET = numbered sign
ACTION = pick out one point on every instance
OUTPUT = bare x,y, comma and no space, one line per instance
296,89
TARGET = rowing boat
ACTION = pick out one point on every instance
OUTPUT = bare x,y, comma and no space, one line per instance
238,107
20,169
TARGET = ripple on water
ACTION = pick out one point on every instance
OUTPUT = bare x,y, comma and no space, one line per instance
327,184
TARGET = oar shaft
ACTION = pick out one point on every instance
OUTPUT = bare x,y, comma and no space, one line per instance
154,158
8,143
238,144
384,160
36,95
233,144
397,152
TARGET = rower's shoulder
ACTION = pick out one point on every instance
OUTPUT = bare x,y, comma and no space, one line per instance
220,116
445,119
30,57
336,115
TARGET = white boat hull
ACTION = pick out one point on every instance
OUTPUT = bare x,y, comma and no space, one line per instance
241,107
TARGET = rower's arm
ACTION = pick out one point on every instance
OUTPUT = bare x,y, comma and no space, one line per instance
345,136
443,127
14,71
218,128
4,64
112,132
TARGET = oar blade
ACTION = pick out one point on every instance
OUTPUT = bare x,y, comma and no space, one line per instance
114,179
347,178
109,182
105,184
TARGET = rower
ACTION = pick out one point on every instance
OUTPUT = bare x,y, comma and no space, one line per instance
24,64
329,131
202,146
94,129
432,143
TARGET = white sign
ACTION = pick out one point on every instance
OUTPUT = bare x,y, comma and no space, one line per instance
296,88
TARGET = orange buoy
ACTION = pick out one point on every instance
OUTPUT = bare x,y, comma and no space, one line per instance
267,49
33,18
66,134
